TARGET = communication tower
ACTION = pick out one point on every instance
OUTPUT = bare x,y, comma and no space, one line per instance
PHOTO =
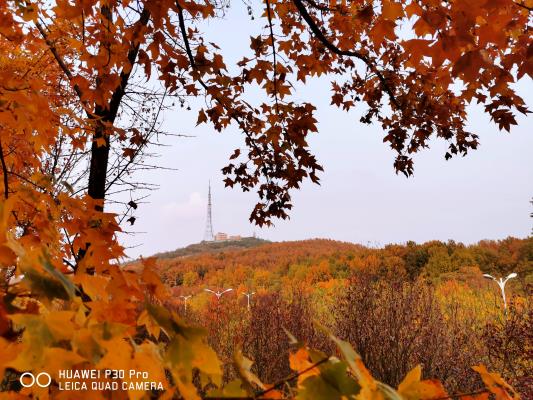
209,236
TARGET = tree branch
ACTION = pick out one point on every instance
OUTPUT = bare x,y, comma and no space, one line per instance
116,98
523,6
188,50
58,58
275,77
230,110
123,170
107,113
320,7
330,46
4,171
282,382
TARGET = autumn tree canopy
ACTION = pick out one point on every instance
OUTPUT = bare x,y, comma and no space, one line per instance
415,66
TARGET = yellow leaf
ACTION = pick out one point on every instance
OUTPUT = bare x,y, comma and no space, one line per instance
152,327
148,360
412,388
93,285
9,353
411,378
56,359
153,283
365,379
84,344
243,366
495,384
231,389
35,339
60,324
300,361
118,354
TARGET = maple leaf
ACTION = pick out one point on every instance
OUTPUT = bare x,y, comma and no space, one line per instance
299,361
413,388
202,117
382,30
392,10
469,65
129,152
243,366
495,384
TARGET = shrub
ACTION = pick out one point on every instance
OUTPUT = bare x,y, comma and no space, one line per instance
398,324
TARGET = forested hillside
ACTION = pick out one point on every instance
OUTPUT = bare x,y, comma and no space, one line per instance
400,305
318,261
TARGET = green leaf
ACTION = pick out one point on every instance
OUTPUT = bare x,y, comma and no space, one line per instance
335,373
42,285
232,389
55,286
315,387
70,288
171,324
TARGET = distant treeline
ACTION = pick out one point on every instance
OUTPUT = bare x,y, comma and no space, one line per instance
266,264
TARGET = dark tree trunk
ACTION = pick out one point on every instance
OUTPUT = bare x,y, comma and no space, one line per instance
98,167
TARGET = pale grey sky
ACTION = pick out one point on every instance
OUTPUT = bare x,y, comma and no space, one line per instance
482,196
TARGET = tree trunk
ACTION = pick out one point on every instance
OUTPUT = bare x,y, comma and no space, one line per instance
99,162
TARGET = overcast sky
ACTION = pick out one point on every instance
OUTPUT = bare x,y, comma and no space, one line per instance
482,196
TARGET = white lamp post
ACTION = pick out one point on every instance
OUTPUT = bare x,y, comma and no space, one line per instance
501,283
185,299
217,293
15,279
248,295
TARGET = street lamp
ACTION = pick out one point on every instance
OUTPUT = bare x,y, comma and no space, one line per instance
248,295
217,293
185,299
501,283
15,279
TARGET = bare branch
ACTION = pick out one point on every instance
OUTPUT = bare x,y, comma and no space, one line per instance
58,58
275,77
4,171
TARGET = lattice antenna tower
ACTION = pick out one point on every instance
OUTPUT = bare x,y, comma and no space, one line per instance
209,236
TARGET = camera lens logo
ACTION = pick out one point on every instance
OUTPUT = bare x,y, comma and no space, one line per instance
27,379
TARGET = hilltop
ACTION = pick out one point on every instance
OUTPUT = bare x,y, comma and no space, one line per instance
212,247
